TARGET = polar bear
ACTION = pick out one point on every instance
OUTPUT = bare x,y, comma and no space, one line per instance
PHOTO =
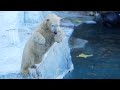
45,35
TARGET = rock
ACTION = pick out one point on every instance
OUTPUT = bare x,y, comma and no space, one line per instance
77,43
108,19
67,23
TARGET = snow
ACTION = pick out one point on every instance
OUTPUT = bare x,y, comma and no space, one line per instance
16,28
10,60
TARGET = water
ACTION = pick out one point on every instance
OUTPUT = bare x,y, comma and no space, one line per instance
104,44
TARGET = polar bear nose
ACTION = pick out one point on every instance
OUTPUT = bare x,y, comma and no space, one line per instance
55,32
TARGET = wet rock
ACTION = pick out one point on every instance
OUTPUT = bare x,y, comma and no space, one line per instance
108,19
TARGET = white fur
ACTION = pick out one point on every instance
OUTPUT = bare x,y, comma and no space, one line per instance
40,42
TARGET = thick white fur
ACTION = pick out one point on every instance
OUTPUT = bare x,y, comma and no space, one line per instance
40,41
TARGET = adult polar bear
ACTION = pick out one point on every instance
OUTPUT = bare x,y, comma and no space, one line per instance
41,40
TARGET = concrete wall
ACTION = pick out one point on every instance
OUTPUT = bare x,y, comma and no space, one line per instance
13,21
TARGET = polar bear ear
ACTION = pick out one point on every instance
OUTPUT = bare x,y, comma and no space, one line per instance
48,20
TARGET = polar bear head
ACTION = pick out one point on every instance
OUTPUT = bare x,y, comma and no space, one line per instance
53,23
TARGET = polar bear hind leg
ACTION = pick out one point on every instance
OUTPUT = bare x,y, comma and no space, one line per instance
25,65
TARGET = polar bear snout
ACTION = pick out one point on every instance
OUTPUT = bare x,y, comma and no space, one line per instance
54,28
55,32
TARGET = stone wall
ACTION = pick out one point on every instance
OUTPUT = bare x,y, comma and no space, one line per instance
9,26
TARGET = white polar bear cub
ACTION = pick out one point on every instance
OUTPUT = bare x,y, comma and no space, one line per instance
43,37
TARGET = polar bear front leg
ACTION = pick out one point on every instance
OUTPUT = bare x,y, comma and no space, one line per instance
37,37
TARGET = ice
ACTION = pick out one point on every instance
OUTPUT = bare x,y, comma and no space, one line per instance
16,28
